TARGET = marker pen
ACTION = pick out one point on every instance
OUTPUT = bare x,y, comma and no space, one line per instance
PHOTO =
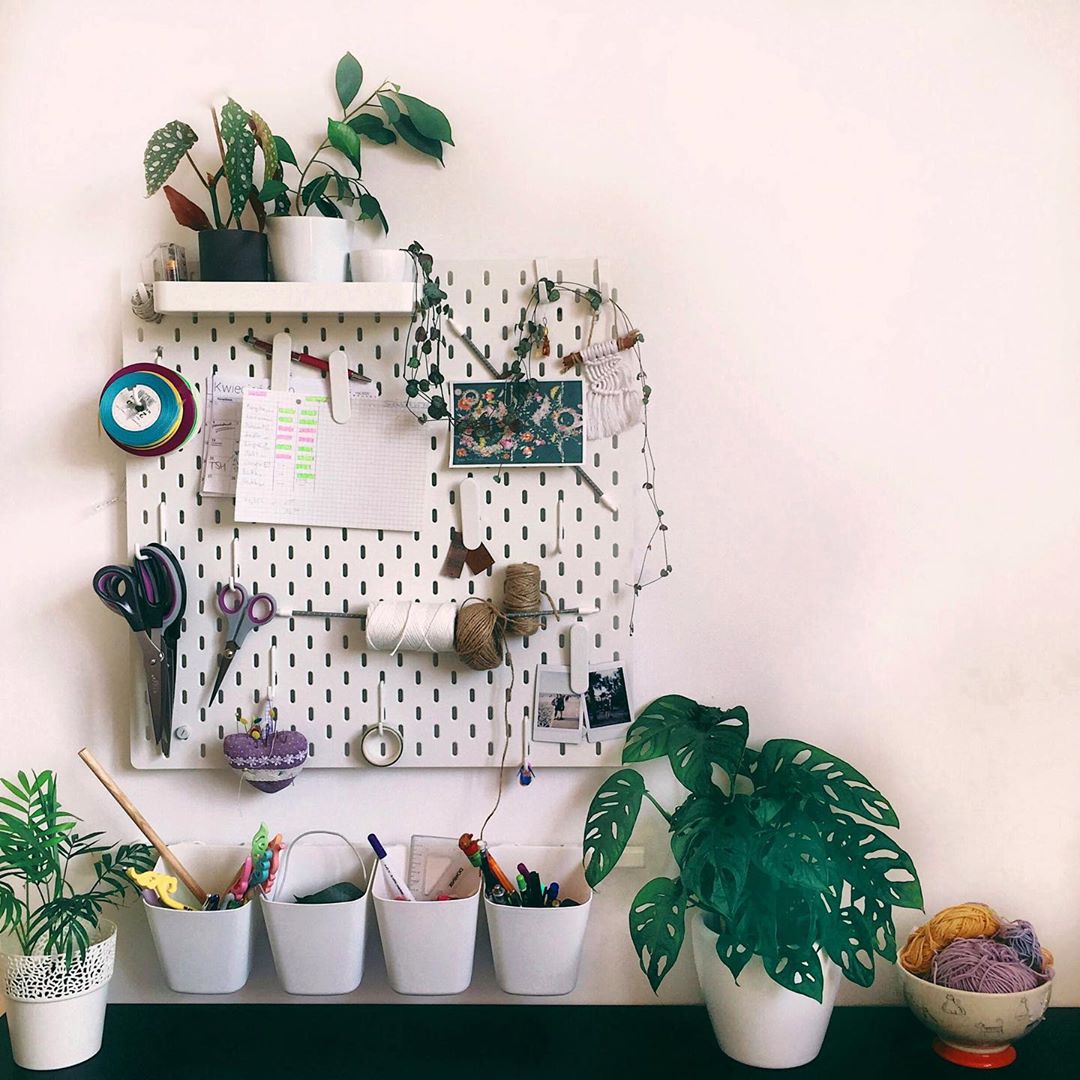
380,854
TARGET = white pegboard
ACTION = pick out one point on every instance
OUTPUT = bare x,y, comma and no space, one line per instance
448,714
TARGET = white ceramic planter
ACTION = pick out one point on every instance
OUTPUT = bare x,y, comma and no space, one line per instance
537,951
382,264
56,1014
204,952
428,944
318,948
310,248
757,1021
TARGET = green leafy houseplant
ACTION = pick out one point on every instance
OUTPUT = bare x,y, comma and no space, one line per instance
238,133
380,118
38,842
784,850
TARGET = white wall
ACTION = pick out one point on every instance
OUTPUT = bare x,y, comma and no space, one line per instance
850,233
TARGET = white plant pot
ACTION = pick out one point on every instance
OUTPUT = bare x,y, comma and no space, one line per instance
428,944
204,952
382,264
318,948
56,1014
756,1021
537,951
309,248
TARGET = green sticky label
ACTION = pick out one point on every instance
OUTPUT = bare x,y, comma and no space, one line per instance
305,476
283,446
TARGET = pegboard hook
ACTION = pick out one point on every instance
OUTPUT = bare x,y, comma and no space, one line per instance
272,673
234,562
379,705
162,530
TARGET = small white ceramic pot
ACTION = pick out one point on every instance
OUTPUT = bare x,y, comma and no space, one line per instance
976,1030
756,1021
310,248
56,1014
382,264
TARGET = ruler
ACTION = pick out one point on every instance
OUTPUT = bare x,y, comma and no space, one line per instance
437,867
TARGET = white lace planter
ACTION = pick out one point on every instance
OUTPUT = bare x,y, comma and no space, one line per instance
56,1013
756,1021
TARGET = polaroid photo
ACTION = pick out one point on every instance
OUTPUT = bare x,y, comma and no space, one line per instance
558,713
609,708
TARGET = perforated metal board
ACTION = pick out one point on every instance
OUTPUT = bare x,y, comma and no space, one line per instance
448,714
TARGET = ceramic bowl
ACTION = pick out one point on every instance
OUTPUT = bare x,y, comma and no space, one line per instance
975,1029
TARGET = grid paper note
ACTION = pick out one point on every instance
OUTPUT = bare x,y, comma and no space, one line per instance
298,467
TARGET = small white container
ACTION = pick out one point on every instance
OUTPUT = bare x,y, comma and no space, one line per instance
56,1014
318,948
204,952
309,248
382,264
537,951
428,944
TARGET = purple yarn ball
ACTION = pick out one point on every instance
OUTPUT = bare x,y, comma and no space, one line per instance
982,966
1020,936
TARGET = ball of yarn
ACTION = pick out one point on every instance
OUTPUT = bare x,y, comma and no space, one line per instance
982,966
1020,936
958,921
479,634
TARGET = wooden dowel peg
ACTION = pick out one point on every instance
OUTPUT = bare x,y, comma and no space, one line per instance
624,341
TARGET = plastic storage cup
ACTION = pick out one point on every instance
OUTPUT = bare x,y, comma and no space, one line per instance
537,951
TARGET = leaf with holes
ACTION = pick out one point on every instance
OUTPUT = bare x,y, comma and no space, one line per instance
710,839
823,776
879,921
874,864
239,155
163,152
795,852
609,823
797,968
731,945
187,213
268,145
705,745
657,927
649,736
846,938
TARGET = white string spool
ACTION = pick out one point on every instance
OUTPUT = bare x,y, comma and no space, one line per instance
406,626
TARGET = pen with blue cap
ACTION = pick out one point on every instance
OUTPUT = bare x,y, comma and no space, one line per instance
396,886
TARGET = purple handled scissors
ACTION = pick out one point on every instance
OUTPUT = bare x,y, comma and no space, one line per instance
243,613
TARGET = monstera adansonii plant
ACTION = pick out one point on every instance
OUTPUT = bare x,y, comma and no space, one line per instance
783,849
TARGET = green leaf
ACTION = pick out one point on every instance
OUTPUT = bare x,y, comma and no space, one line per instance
649,735
707,740
795,852
371,127
407,130
163,152
284,151
265,138
612,815
343,138
846,938
874,864
390,107
272,189
327,208
792,763
239,155
658,926
370,208
348,78
711,841
429,121
734,952
879,922
315,189
797,968
341,893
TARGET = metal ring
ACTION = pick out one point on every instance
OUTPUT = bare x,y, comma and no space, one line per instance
388,736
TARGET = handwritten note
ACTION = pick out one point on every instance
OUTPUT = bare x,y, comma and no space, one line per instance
221,438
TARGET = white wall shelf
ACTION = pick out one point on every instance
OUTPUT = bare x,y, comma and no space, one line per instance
283,297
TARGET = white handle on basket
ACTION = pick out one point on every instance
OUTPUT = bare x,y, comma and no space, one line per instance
322,832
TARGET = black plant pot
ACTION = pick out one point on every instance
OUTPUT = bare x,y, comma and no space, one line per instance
233,255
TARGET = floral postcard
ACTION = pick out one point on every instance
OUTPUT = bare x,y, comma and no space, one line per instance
508,424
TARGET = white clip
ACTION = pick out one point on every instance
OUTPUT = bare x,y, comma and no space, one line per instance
579,658
280,358
469,498
381,707
139,556
340,405
540,269
560,530
162,531
272,674
234,562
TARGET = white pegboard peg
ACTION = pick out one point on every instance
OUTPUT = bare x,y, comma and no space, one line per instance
272,674
162,528
280,358
469,500
541,270
340,405
579,658
234,562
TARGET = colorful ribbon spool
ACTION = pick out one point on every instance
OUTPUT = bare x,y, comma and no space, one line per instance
148,410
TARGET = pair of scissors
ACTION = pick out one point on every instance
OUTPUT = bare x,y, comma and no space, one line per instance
151,597
243,614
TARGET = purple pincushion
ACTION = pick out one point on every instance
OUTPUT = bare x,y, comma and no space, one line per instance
267,764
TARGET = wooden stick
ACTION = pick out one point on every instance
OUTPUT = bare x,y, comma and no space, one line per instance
143,826
632,337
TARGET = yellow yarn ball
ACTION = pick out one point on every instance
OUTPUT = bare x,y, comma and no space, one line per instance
958,921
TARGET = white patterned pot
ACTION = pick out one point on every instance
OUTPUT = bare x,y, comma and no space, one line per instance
56,1014
757,1021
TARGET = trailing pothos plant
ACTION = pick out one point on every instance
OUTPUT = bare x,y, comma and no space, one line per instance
783,850
38,842
380,118
238,133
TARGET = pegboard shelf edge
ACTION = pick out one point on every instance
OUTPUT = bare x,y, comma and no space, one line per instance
283,297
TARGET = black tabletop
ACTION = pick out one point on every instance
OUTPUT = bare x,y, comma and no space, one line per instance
516,1042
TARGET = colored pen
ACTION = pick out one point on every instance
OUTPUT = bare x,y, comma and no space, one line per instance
523,888
552,894
391,877
301,358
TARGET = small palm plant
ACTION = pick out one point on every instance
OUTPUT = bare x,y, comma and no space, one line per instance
38,842
783,850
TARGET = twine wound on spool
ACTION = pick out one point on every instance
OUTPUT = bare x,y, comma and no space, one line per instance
409,626
958,921
479,636
522,592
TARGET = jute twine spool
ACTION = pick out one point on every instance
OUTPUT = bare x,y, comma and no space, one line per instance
958,921
522,592
478,638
